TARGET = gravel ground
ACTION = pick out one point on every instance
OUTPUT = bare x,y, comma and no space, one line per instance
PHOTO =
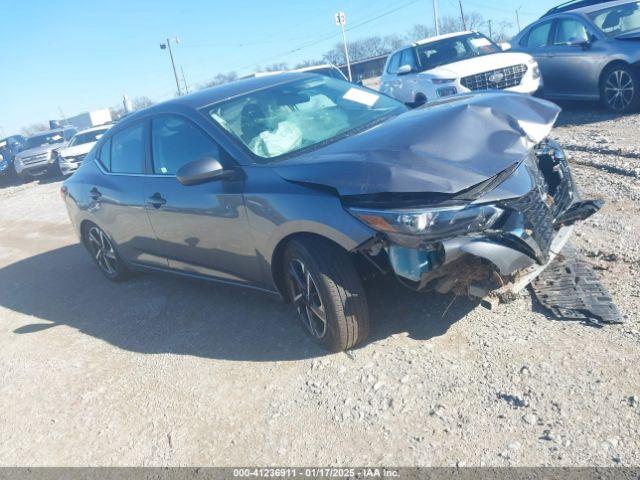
161,371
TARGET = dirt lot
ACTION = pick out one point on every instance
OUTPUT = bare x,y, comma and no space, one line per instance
160,371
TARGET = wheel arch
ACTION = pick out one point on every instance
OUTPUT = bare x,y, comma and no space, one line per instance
277,257
612,63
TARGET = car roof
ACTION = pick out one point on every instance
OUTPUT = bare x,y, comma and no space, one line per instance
584,7
440,37
53,130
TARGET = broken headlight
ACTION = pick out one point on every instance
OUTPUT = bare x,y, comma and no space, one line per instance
431,223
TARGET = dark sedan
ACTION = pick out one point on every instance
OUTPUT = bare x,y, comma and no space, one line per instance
588,50
300,185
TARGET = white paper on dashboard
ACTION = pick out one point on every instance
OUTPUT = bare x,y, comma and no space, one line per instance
361,96
480,42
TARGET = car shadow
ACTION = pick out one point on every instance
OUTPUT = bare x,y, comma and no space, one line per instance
157,314
576,113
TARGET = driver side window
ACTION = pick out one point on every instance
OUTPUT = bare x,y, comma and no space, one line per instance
176,141
407,58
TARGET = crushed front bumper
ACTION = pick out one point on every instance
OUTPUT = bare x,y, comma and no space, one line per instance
500,262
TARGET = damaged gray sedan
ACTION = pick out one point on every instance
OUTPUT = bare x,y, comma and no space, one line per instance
302,185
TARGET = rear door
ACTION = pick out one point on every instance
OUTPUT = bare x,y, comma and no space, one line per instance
201,229
117,195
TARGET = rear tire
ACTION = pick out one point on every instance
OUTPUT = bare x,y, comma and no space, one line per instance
620,88
327,292
104,254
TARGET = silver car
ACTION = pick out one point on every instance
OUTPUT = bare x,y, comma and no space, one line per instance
588,52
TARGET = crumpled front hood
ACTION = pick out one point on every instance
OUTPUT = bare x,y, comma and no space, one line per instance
445,147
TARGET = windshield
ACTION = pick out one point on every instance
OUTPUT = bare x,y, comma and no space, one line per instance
45,138
619,19
449,50
299,115
86,137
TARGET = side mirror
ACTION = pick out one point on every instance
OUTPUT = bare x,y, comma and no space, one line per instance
404,69
504,46
579,42
205,169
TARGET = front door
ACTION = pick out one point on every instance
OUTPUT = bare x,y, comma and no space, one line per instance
201,229
569,67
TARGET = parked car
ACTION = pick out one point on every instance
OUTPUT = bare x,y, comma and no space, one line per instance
71,157
588,52
456,63
39,154
9,147
300,185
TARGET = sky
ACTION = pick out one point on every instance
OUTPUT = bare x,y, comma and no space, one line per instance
70,56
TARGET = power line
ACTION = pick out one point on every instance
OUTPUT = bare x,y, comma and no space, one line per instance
321,40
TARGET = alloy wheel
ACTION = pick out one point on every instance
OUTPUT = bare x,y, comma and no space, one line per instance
306,298
102,251
619,90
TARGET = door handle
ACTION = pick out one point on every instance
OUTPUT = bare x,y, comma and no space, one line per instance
95,193
156,200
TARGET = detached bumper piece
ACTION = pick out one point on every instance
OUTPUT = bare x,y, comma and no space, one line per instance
571,290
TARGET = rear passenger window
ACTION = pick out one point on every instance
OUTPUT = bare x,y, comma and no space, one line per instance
394,63
538,36
176,141
105,155
127,150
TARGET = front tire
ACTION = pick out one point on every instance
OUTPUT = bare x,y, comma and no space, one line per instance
104,254
620,89
327,292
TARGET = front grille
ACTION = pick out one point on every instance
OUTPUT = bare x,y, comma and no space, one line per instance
538,221
496,79
39,158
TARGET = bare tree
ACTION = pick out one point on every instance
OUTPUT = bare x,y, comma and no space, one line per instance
276,67
418,32
139,103
34,128
363,48
220,79
309,63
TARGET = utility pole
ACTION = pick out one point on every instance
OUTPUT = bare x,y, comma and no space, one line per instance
436,17
518,17
464,22
341,20
490,32
184,80
173,63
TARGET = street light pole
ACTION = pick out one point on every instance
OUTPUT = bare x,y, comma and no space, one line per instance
173,63
464,22
518,17
436,17
341,19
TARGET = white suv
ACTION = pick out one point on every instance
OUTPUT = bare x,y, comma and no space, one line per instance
71,157
456,63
